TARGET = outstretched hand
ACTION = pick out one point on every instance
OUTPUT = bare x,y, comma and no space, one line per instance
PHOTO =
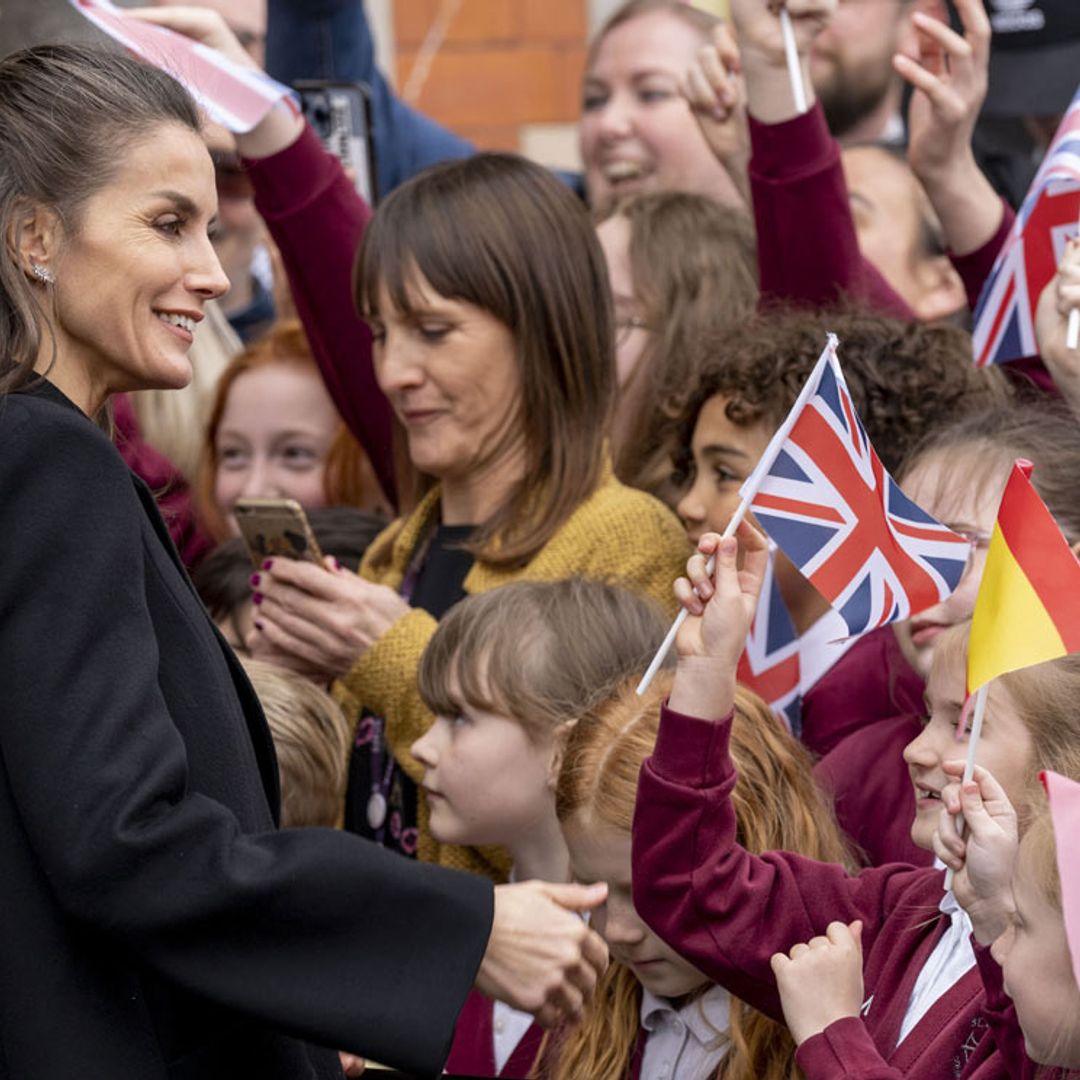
1060,297
764,61
720,609
949,80
541,956
984,859
201,24
282,126
714,89
821,981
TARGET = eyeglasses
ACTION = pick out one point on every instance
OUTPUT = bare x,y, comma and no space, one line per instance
625,326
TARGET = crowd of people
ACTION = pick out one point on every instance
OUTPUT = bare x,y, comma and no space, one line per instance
406,802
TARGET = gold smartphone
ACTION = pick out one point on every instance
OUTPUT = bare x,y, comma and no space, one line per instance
276,528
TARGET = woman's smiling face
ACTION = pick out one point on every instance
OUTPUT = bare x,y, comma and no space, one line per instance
131,283
637,132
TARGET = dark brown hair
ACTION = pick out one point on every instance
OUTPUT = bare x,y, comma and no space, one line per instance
778,806
694,268
502,234
348,479
69,115
541,652
906,378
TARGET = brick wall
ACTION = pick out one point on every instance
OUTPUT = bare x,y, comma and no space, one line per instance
504,67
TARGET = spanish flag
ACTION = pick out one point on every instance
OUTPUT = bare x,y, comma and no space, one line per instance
1028,607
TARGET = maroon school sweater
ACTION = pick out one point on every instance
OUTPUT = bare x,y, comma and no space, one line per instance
473,1051
872,681
871,789
728,911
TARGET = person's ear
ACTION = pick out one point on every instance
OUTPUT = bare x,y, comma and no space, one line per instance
34,235
558,753
941,290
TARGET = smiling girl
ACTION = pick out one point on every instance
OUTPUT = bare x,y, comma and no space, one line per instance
934,1005
957,474
273,432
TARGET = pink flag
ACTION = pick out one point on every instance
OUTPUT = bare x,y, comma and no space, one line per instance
236,97
1065,810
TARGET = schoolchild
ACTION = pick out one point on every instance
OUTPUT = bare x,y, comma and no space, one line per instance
505,674
934,1004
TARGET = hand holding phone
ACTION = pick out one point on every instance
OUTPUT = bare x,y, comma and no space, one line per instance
276,528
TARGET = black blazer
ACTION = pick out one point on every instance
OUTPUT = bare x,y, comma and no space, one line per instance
153,921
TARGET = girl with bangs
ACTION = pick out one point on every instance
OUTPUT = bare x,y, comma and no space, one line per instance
506,675
653,1008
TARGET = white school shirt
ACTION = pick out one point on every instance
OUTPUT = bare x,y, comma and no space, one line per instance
952,958
686,1043
508,1027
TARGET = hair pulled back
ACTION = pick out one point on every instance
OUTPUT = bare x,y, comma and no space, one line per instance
68,115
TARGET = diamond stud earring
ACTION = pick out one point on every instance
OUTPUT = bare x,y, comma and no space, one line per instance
42,273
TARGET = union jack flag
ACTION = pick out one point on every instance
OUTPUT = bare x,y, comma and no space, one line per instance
769,664
824,497
1005,315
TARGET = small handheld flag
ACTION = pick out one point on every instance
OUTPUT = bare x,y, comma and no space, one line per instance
234,96
822,494
1064,795
1005,314
769,664
1026,611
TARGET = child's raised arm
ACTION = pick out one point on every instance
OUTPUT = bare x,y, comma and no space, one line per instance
725,910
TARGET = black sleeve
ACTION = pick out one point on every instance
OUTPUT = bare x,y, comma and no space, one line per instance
313,931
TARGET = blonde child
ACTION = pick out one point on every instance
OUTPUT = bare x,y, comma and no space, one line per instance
934,1005
505,674
311,738
652,1007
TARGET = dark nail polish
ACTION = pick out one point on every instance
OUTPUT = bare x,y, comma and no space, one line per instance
255,579
257,598
258,625
268,564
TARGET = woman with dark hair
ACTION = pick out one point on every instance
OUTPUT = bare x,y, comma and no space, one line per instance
156,923
489,314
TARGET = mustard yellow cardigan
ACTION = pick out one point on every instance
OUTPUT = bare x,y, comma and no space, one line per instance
617,535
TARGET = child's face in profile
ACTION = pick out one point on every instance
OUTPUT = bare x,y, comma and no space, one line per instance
1005,747
937,484
723,455
600,852
486,780
1036,962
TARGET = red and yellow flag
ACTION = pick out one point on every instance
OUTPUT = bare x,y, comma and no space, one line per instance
1028,607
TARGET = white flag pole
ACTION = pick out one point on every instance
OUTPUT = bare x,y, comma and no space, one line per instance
794,67
747,493
969,766
1072,334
